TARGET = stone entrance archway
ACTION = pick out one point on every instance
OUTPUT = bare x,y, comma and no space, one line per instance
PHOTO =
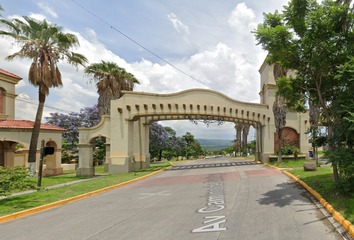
128,125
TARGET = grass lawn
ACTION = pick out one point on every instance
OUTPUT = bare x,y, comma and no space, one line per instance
322,181
23,202
289,163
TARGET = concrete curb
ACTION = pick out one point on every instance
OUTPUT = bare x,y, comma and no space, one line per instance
72,199
253,160
345,223
276,167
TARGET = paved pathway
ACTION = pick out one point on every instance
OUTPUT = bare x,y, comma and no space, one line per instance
205,199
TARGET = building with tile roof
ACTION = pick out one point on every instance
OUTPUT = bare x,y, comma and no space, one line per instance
14,132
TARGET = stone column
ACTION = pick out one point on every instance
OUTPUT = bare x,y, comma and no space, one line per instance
108,153
141,144
122,146
303,137
53,164
85,168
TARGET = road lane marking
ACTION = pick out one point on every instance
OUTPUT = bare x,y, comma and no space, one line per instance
155,194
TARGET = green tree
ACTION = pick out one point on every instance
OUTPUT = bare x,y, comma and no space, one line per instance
308,37
45,44
110,80
252,146
193,147
229,150
342,112
279,108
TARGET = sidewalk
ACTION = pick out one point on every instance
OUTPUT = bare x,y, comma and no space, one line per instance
56,186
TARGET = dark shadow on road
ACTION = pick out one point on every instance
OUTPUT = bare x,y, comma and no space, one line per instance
213,165
284,196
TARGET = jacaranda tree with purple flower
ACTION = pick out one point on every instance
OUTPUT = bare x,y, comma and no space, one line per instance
87,117
164,139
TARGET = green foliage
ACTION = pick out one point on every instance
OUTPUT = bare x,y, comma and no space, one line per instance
193,147
288,150
343,157
100,150
252,146
69,152
229,150
16,178
19,146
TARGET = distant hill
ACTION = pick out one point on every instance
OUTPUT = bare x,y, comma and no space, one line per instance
214,144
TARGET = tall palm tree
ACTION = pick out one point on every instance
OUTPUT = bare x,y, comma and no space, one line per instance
245,132
279,109
110,80
45,44
239,127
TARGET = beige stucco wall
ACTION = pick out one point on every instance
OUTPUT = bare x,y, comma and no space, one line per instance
8,83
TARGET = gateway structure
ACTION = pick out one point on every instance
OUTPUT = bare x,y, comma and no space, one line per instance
127,128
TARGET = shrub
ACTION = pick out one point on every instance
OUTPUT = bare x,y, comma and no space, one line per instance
288,150
343,158
15,178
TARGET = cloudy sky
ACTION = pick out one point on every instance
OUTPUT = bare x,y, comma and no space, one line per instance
207,39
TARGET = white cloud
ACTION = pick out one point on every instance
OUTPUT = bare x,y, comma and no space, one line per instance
25,108
20,84
178,25
38,16
242,19
48,9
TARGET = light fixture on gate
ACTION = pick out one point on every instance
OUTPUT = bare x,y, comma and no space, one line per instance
206,119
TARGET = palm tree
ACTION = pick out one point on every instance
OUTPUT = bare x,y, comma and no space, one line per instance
279,109
110,80
245,132
45,44
239,127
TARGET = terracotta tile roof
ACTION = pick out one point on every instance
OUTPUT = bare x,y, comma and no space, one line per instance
9,74
25,124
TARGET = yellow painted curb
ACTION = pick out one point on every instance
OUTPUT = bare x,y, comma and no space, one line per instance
268,165
271,166
73,199
345,223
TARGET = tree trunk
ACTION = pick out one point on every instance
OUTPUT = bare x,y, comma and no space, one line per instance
246,130
280,132
35,132
160,155
330,148
104,105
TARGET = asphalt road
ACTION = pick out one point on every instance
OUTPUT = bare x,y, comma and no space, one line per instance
205,199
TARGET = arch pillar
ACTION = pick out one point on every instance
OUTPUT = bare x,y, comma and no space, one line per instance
303,137
85,168
108,153
141,144
258,154
53,164
9,155
122,147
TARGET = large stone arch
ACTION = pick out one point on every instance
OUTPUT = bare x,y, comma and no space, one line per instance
131,115
9,158
53,162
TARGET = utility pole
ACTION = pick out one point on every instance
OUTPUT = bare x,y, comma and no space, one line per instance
40,171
